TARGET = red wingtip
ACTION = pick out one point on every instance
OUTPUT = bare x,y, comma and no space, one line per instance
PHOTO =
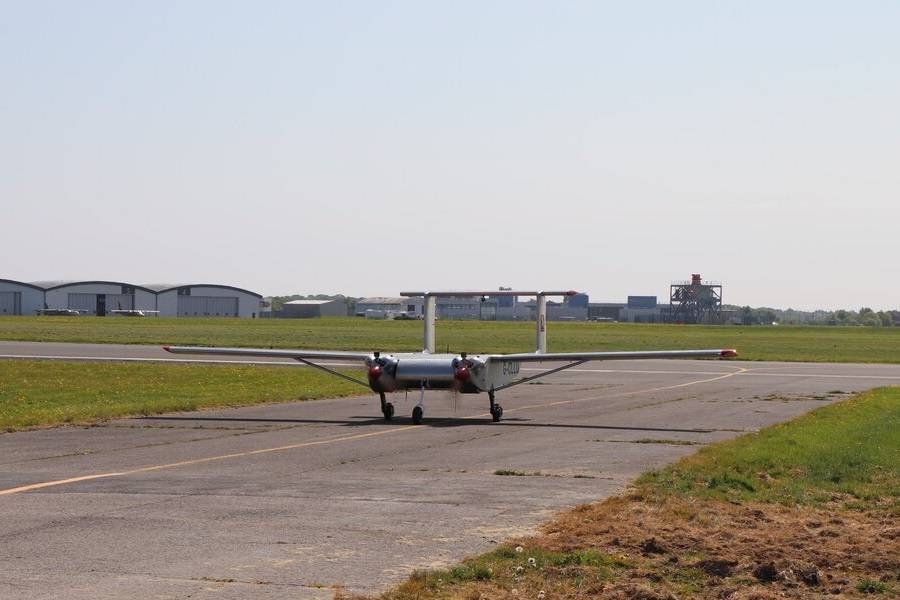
166,348
729,353
572,293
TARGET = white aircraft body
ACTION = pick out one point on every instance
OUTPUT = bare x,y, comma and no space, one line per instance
57,312
466,374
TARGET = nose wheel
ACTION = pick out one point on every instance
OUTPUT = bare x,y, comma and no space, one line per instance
387,409
417,415
496,409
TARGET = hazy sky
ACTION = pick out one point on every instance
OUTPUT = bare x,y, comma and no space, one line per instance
369,147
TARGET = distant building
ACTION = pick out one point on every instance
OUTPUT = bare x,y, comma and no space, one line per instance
466,308
638,309
311,309
696,301
603,311
396,305
577,301
642,302
102,298
97,298
20,298
558,311
206,300
642,309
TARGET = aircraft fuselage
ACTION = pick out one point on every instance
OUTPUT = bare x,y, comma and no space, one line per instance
465,374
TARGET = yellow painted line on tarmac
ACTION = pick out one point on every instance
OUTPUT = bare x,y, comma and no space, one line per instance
196,461
334,440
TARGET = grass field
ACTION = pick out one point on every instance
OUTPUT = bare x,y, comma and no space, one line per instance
806,509
43,393
817,344
849,450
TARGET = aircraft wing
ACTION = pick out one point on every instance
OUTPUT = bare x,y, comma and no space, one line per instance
587,356
294,354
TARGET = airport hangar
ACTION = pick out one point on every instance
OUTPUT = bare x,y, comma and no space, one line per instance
101,297
20,298
310,309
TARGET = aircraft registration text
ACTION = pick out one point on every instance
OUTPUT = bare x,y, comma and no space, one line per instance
511,368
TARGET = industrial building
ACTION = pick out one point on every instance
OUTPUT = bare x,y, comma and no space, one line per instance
311,309
696,301
693,301
390,305
96,297
642,309
206,300
20,298
485,308
102,298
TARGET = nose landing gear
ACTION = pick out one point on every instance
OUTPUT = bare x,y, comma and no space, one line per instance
387,409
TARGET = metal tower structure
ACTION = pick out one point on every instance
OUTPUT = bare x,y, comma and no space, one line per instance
695,302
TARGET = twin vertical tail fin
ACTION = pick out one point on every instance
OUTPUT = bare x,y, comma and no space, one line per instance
430,308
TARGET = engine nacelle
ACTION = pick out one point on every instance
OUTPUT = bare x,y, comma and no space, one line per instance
391,373
469,373
382,372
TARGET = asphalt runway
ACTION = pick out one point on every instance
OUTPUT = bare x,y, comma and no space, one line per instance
295,500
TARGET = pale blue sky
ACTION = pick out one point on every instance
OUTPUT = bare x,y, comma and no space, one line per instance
369,147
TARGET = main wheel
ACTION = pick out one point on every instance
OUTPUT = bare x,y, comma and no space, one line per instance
388,411
417,415
496,412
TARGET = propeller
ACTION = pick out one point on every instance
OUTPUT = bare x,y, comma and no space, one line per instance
462,371
381,367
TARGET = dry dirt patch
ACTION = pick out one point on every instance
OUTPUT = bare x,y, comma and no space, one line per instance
716,549
637,548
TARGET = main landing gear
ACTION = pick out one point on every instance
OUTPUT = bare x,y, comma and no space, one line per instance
496,409
419,409
387,409
418,412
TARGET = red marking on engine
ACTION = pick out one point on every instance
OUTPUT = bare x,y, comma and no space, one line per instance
462,374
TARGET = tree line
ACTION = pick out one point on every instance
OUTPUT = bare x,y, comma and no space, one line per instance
864,317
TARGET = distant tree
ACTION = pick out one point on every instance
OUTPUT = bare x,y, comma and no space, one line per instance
747,316
766,316
842,316
871,320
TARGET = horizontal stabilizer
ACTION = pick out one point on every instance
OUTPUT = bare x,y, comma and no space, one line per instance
475,293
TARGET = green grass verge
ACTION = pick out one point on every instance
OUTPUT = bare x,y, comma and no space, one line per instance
820,344
514,567
851,448
841,460
43,393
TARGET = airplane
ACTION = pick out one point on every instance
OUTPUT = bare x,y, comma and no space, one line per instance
57,312
461,372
